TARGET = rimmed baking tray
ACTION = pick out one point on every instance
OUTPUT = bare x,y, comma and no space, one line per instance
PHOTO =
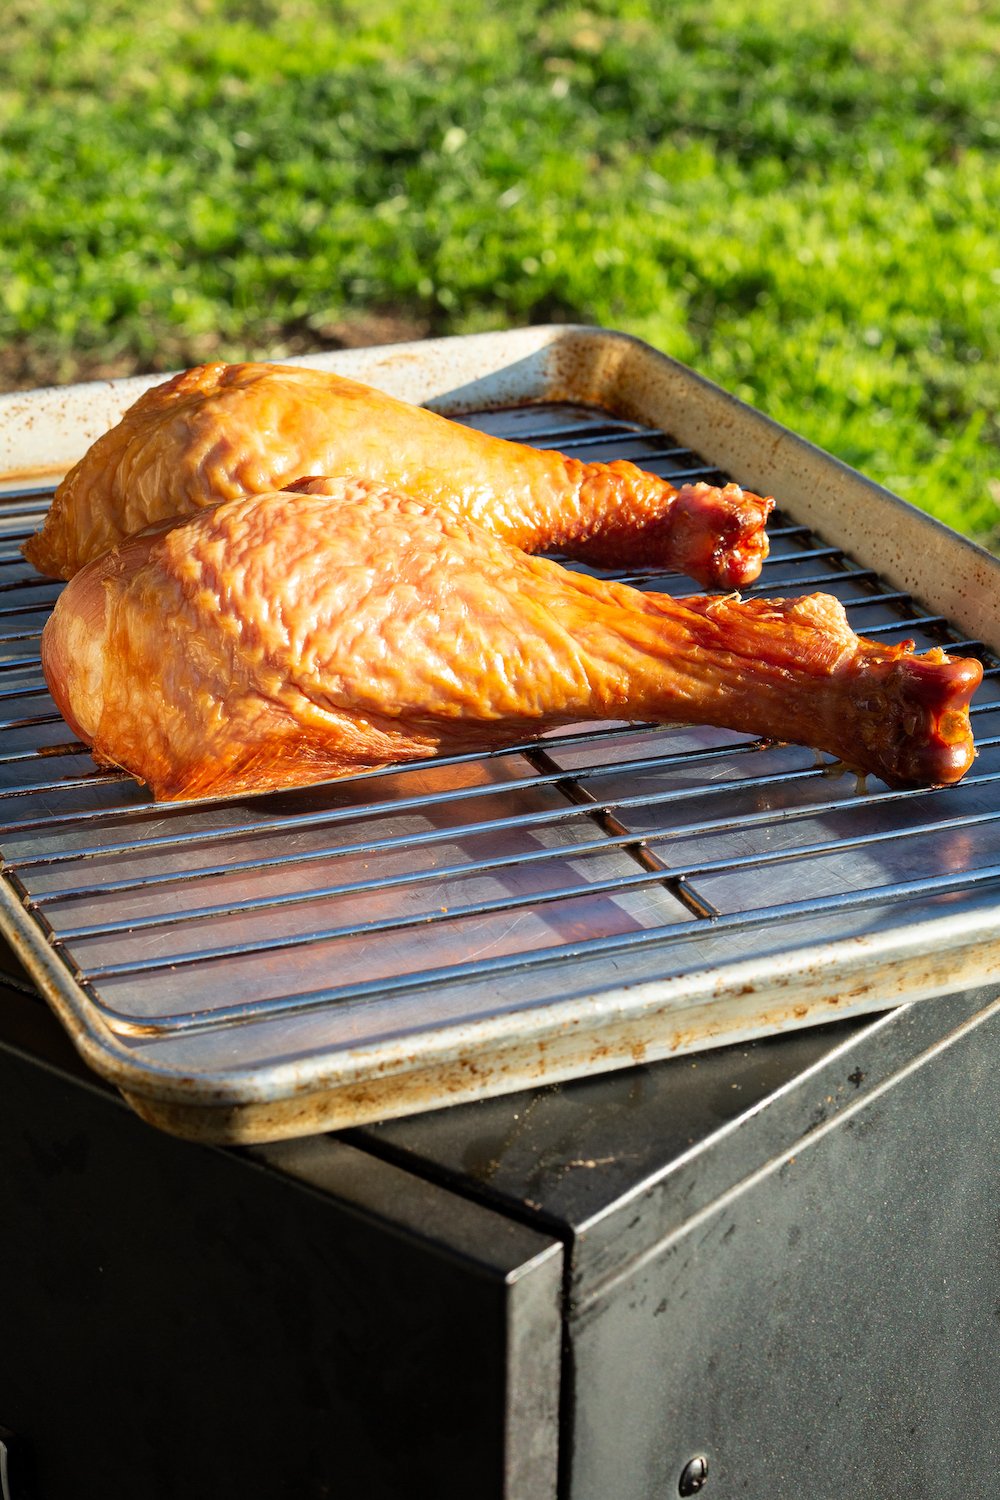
261,967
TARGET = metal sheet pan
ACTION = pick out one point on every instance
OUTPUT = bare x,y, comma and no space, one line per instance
271,966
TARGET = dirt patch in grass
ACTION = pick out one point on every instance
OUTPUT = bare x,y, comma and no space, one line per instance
24,365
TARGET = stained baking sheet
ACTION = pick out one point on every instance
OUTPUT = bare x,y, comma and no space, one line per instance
268,966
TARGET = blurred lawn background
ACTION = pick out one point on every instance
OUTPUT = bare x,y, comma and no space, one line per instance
800,201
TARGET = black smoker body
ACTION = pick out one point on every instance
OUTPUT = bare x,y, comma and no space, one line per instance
781,1260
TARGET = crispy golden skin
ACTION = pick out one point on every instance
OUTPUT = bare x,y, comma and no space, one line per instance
283,639
220,431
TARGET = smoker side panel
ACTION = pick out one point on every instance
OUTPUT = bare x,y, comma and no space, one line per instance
829,1328
179,1320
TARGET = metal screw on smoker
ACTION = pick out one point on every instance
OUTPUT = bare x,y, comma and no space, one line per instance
694,1476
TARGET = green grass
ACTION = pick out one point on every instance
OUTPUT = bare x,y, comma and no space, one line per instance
801,201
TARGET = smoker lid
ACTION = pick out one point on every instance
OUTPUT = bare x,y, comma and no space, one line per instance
618,1164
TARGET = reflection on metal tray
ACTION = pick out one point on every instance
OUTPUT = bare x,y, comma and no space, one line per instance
267,966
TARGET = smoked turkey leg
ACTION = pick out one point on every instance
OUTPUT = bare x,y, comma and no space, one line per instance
282,639
220,431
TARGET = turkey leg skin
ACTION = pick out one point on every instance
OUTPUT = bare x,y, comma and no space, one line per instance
279,640
221,431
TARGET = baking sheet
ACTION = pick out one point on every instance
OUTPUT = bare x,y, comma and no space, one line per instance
270,966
